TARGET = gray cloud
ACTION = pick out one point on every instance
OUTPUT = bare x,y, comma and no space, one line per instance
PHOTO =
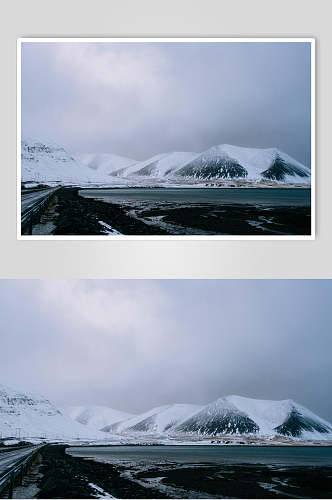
137,344
139,99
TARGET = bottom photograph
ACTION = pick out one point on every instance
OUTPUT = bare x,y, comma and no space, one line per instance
165,389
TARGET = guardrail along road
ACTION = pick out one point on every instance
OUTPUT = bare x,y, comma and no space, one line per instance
13,465
32,206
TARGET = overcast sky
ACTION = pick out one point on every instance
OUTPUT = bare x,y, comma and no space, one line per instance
140,99
133,345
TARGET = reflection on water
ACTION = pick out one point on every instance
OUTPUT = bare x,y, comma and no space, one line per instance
275,196
287,455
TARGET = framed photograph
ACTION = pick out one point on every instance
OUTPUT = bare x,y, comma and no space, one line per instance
206,395
166,138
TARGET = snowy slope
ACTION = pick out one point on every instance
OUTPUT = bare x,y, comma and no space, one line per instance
239,415
96,417
257,161
253,164
221,162
104,163
275,415
158,420
219,417
35,416
45,161
159,166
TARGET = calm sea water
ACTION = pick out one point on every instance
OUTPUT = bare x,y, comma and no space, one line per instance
278,455
276,197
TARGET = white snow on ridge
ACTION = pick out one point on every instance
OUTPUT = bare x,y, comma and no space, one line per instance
161,165
46,162
158,420
172,162
96,416
35,416
256,160
228,415
267,414
271,414
104,163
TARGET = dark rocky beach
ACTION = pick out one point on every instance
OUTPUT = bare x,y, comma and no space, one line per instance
80,216
67,477
61,475
76,215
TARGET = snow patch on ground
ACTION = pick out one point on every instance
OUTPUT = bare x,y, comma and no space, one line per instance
10,442
100,492
109,229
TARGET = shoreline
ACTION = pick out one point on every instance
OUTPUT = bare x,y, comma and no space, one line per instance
210,445
198,186
66,476
79,215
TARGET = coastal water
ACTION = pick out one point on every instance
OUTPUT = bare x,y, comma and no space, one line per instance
271,455
272,196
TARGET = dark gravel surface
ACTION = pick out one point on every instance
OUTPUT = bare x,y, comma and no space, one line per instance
249,481
239,219
65,476
79,216
68,477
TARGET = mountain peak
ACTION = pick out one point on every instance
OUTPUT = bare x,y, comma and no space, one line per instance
237,414
45,161
35,416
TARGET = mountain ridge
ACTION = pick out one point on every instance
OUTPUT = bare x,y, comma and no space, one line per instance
95,416
229,415
222,161
35,416
44,161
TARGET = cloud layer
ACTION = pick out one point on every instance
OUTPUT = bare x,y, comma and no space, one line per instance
140,99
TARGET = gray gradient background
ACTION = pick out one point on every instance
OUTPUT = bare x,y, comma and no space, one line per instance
141,99
133,345
200,259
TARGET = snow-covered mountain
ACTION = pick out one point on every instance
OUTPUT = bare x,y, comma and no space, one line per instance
104,163
222,162
32,415
163,165
228,415
96,417
46,162
232,162
239,415
156,421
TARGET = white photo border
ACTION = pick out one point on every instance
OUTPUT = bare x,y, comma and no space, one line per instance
310,40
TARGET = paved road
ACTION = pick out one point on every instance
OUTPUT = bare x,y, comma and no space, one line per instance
9,458
28,200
